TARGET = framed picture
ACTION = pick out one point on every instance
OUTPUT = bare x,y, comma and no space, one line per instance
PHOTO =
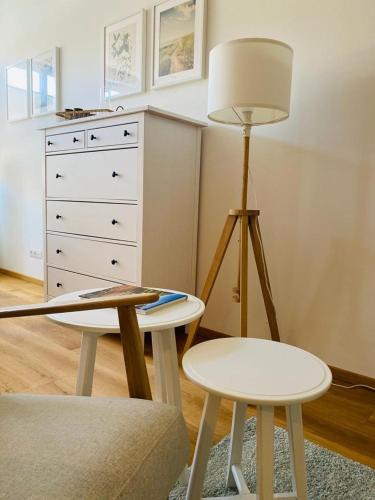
124,56
17,89
44,80
178,42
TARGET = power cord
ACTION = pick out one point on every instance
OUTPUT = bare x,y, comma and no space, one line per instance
355,386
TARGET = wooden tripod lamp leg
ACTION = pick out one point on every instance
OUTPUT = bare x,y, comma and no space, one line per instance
136,372
213,272
260,261
243,274
249,221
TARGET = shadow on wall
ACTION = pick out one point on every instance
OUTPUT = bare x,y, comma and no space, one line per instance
319,240
21,195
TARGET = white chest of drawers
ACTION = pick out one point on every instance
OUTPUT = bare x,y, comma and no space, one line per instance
121,201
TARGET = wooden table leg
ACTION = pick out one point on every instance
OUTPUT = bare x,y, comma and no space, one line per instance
86,363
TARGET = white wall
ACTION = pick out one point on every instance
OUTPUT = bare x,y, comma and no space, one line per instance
314,173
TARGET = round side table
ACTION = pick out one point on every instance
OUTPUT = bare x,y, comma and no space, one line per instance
161,324
266,374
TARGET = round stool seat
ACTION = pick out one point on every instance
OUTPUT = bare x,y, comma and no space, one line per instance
257,371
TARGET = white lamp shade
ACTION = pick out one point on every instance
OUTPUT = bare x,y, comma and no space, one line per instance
249,81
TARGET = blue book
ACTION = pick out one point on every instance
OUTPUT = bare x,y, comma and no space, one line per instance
164,300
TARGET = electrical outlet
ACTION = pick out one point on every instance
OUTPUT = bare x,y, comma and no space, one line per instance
36,254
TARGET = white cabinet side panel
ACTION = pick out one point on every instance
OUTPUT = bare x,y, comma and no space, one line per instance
170,203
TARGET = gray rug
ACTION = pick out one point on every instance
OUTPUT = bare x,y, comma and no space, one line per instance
329,475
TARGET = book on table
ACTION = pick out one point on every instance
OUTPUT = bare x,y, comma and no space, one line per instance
165,298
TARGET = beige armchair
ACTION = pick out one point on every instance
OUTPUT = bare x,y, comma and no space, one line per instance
72,447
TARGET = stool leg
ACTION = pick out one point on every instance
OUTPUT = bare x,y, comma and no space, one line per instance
167,379
86,364
297,450
236,440
264,467
203,446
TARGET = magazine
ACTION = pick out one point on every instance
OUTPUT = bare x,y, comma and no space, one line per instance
165,298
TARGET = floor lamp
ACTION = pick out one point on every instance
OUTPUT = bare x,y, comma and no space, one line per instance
249,84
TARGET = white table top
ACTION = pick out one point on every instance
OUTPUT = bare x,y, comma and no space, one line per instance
106,320
55,122
257,371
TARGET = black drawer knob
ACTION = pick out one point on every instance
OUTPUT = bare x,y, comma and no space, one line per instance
58,216
49,143
92,137
58,285
58,176
114,221
58,250
75,139
114,174
126,133
114,262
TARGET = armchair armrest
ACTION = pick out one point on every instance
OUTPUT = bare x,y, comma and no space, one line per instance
78,305
138,382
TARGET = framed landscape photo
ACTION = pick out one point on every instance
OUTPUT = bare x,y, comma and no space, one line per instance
44,78
124,56
17,90
178,42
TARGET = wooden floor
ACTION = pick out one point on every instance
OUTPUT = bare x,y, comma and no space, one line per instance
39,356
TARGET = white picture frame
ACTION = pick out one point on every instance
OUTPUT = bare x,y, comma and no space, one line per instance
17,78
178,26
45,82
124,56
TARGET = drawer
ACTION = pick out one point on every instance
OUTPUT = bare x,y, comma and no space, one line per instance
61,142
105,220
60,281
112,136
100,175
111,261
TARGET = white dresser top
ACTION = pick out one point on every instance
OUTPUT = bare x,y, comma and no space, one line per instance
130,111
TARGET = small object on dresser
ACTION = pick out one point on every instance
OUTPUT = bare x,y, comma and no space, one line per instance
165,298
72,114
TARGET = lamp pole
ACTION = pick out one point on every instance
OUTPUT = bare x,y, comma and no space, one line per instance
246,130
241,296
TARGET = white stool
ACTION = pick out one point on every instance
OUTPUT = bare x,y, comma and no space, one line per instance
161,324
266,374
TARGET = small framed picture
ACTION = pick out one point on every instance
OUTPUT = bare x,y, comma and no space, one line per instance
124,56
17,89
44,79
178,41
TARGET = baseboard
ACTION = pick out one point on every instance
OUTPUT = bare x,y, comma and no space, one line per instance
208,334
351,378
339,374
21,276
